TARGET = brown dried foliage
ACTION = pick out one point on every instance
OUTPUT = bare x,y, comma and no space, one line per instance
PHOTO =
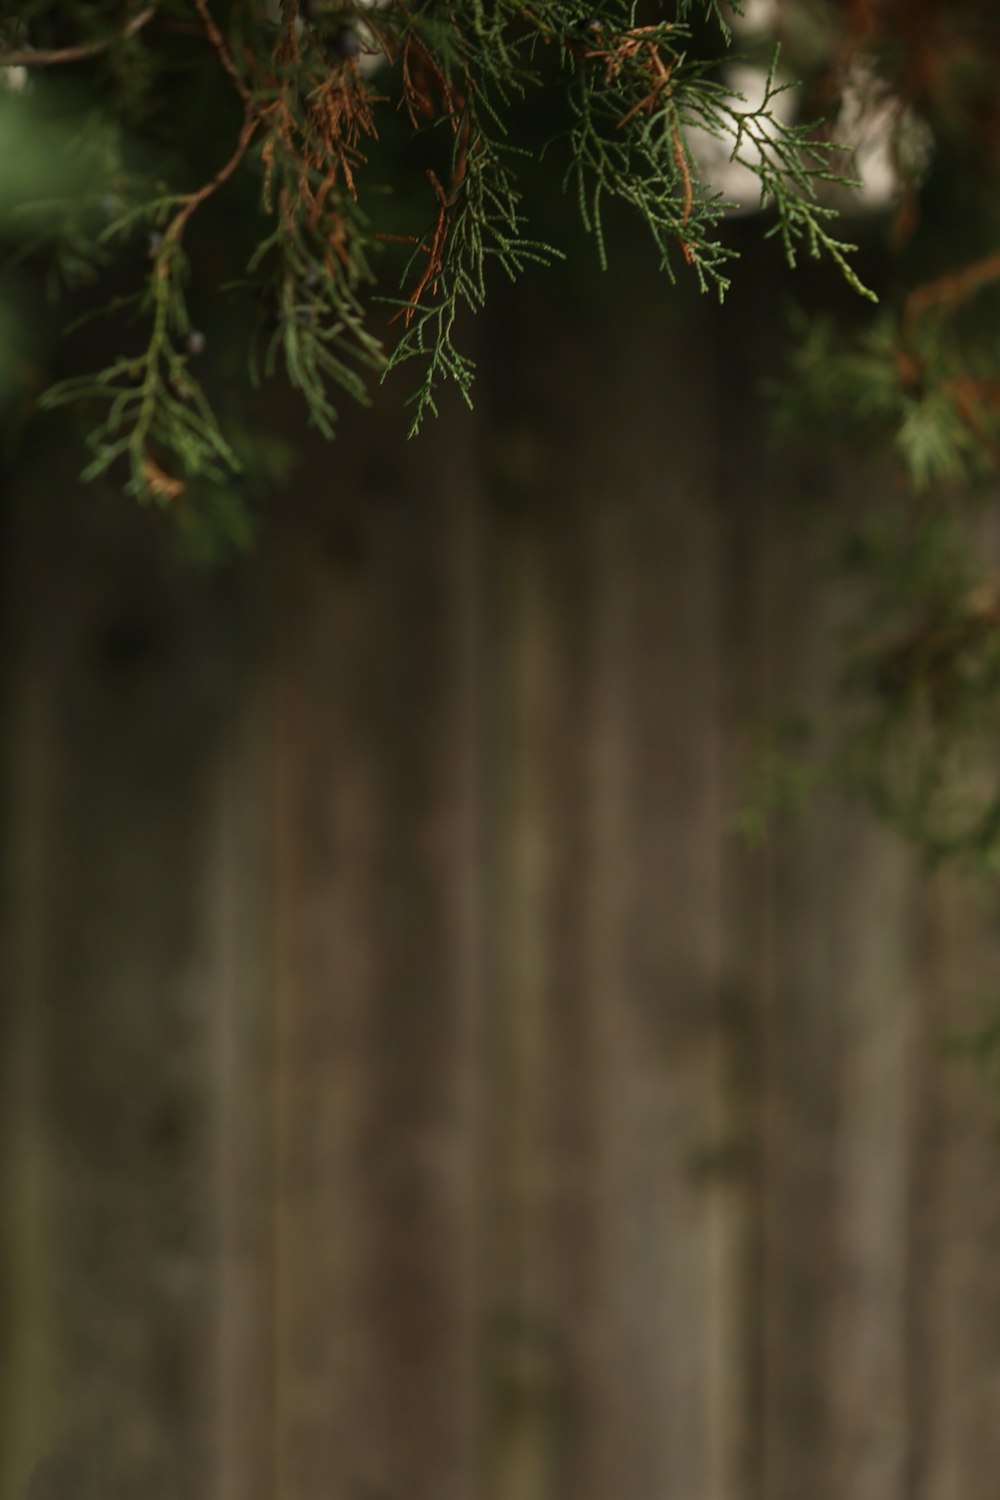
636,46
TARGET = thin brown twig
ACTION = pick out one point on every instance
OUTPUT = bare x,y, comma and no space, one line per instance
634,46
162,485
446,202
435,256
680,157
660,73
218,41
952,288
30,57
974,401
194,200
416,91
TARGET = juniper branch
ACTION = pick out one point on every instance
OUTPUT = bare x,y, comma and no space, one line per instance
304,149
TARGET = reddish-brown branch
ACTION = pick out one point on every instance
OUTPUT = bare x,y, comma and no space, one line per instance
194,200
162,486
660,73
218,41
435,256
680,157
952,289
930,652
973,400
616,51
862,20
419,72
635,46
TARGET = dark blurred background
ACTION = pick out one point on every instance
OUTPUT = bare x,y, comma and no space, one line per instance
412,1088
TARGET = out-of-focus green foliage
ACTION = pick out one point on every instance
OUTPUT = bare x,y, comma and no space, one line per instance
783,772
916,384
39,173
38,164
930,390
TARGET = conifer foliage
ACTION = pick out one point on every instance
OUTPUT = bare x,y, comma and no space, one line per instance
325,189
919,382
267,140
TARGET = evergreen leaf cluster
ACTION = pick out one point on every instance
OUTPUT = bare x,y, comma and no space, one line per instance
351,174
918,384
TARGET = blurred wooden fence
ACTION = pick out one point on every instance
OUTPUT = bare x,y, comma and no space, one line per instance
410,1088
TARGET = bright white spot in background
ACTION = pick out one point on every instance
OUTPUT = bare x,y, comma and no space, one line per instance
881,134
14,78
757,15
867,125
737,182
371,58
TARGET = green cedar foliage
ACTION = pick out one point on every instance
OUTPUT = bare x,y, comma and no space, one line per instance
918,382
325,190
268,150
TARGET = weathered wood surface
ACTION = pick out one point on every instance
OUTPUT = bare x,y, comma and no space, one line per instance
410,1088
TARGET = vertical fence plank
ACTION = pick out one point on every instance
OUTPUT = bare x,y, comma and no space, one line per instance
409,1089
518,1275
954,1294
419,1150
823,1001
877,997
239,993
546,1024
325,839
607,908
27,1397
135,681
665,1387
378,978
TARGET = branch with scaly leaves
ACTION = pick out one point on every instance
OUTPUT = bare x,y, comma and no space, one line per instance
479,223
157,408
313,82
156,404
